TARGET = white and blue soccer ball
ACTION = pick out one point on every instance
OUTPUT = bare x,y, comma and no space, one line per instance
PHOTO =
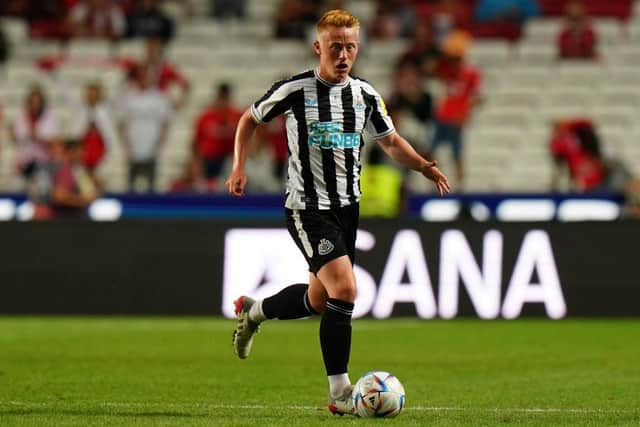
378,394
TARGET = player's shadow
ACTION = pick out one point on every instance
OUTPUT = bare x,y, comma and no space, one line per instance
99,413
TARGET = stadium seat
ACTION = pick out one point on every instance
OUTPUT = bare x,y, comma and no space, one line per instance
490,53
364,10
536,54
201,31
624,95
503,117
20,75
35,49
262,10
624,54
515,97
633,29
622,116
609,31
16,30
570,97
496,137
131,48
531,173
542,30
527,76
382,50
628,75
90,48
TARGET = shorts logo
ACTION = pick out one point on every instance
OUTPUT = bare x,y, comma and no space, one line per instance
325,247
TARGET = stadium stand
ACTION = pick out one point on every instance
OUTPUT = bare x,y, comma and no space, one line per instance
526,87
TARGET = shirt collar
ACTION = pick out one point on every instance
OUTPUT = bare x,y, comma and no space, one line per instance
328,83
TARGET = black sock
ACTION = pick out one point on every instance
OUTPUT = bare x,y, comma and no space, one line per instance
335,335
290,303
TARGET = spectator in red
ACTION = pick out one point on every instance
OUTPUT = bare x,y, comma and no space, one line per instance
163,74
214,133
94,127
73,187
35,129
97,19
93,123
576,145
578,39
462,93
274,134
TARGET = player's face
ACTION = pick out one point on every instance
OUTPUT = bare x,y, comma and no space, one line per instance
338,49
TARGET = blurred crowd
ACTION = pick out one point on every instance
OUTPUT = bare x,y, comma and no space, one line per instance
60,171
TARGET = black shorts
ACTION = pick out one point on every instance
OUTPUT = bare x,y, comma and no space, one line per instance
324,235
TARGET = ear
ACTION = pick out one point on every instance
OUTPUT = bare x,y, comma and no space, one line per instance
316,47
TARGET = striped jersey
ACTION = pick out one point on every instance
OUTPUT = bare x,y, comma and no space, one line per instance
324,122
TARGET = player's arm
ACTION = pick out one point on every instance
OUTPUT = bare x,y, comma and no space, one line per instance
237,181
401,151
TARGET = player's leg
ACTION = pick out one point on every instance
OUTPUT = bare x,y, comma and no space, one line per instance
317,294
438,138
132,176
335,325
291,302
338,280
150,173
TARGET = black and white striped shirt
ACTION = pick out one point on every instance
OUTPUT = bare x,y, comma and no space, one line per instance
325,123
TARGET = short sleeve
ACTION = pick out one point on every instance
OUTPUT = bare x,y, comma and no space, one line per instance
273,103
378,122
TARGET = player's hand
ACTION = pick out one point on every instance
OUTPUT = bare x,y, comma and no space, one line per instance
236,183
431,171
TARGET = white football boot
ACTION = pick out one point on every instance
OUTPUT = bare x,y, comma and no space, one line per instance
245,328
342,405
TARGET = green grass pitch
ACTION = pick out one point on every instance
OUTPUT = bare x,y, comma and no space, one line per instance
58,371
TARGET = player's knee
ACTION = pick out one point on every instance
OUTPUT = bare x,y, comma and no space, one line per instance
345,291
317,302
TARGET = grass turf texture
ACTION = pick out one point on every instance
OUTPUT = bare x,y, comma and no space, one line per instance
176,371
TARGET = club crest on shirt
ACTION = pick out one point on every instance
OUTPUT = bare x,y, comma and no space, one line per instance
311,102
359,105
325,247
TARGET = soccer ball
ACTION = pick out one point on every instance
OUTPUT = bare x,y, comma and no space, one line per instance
378,394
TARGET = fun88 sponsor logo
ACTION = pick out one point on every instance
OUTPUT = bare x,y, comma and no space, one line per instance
329,135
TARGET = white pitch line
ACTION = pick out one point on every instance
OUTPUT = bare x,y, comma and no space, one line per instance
204,405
